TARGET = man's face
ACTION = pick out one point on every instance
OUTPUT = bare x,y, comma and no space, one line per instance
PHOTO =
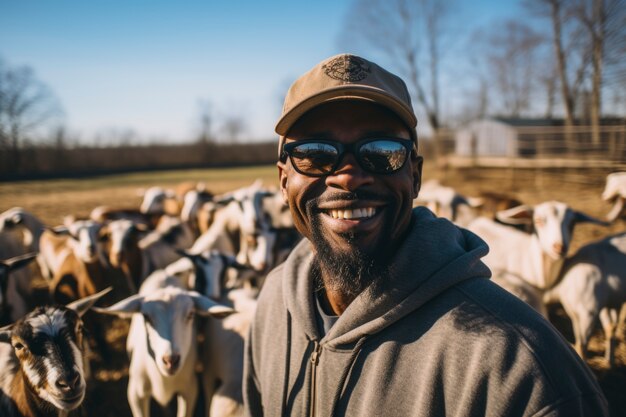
317,203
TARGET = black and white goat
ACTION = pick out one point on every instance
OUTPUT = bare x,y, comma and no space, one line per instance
41,357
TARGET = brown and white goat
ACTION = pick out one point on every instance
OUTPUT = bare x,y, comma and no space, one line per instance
120,240
41,357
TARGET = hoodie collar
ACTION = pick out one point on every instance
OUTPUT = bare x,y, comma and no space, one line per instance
435,256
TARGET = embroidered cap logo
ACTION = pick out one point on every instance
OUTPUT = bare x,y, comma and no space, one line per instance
347,68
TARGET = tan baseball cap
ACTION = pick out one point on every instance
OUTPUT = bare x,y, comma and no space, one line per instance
345,77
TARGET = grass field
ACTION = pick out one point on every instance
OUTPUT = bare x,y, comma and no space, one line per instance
50,200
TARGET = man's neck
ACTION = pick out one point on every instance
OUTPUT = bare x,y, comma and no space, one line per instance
334,302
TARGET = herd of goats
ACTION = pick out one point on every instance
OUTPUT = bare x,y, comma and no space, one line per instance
187,253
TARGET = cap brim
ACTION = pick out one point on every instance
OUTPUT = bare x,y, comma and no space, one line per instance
346,92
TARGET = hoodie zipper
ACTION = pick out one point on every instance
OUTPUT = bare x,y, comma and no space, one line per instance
314,361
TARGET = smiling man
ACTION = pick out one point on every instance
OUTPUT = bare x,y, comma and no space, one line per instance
385,310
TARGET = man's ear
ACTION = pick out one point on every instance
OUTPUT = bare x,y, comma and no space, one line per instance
282,179
417,163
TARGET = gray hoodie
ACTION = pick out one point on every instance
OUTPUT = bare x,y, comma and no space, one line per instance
444,341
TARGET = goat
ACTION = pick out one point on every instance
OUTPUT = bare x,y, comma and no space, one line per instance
448,203
161,342
535,259
74,254
193,201
615,192
441,200
79,237
593,286
242,228
104,214
41,357
120,239
222,348
28,224
12,302
157,200
160,247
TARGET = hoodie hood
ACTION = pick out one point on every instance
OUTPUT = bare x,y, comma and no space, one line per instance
435,256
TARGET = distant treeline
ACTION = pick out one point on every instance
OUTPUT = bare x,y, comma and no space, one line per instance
37,162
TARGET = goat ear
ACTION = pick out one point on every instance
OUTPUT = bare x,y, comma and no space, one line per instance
141,227
580,217
59,230
231,261
206,307
616,210
184,253
475,202
20,261
517,215
16,218
5,334
124,308
81,306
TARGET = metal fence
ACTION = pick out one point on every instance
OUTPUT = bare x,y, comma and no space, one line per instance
541,151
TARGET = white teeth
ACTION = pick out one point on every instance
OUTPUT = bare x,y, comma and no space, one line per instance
359,213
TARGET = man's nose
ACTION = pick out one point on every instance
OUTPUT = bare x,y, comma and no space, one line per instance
349,175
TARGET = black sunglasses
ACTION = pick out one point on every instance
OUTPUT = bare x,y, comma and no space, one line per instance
320,157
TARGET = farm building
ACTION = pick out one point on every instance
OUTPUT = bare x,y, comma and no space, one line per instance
518,137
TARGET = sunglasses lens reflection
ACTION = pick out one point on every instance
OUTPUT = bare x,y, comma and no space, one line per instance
314,158
382,156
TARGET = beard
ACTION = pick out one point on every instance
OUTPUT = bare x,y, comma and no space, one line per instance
351,271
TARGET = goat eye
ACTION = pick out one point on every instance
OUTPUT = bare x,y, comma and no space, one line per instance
18,346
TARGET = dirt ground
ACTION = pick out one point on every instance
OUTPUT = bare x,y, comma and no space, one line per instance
107,392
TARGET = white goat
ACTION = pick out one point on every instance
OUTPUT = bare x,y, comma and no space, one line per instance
27,223
243,229
594,286
615,192
41,357
448,203
533,261
222,350
157,200
441,200
162,342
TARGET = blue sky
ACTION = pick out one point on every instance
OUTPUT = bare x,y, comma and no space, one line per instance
144,65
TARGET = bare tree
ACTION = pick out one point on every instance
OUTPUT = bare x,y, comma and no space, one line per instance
205,122
511,49
25,105
410,34
233,126
604,22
